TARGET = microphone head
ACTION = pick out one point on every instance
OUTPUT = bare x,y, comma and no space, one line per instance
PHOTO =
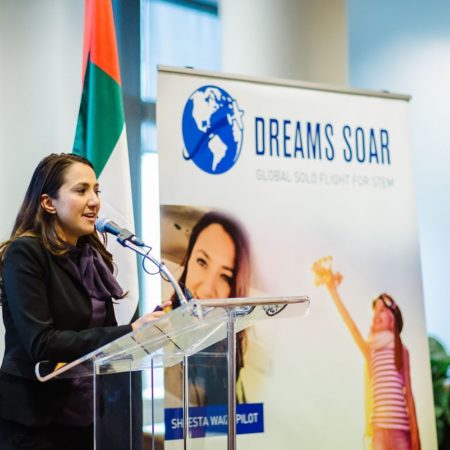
102,224
107,225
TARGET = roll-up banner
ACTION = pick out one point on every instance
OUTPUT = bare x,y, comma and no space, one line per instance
272,187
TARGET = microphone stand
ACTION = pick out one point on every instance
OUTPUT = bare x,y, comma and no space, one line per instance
144,251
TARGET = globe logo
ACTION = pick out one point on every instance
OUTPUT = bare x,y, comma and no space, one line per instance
213,129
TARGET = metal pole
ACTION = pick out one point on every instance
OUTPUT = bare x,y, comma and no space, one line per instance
185,402
152,378
231,380
130,393
95,405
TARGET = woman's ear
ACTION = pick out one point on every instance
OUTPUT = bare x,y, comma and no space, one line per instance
47,204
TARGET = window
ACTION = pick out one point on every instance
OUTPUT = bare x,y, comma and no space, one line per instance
178,33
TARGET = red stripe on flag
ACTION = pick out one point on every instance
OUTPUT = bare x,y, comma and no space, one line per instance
100,38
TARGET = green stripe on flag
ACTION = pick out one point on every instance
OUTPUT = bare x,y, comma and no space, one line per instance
101,118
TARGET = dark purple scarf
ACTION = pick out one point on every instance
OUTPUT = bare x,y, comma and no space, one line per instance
96,278
94,273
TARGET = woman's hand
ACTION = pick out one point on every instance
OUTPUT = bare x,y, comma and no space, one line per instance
157,313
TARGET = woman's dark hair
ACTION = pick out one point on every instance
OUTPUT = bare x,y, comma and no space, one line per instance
33,220
390,304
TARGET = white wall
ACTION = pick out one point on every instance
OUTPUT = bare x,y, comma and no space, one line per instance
40,87
295,39
404,46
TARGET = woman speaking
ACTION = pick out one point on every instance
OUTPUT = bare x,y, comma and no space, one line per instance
57,288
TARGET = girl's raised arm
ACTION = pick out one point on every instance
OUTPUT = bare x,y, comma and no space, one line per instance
325,276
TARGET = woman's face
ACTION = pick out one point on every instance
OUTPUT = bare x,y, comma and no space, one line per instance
210,268
383,319
77,204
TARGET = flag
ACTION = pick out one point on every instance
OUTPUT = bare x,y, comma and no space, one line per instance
101,138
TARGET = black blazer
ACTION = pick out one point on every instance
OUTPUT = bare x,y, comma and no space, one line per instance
46,312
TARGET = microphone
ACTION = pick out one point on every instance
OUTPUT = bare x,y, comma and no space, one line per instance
107,225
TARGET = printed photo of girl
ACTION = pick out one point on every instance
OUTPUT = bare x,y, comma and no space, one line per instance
391,422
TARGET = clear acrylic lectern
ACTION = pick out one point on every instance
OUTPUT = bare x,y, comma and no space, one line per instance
116,370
